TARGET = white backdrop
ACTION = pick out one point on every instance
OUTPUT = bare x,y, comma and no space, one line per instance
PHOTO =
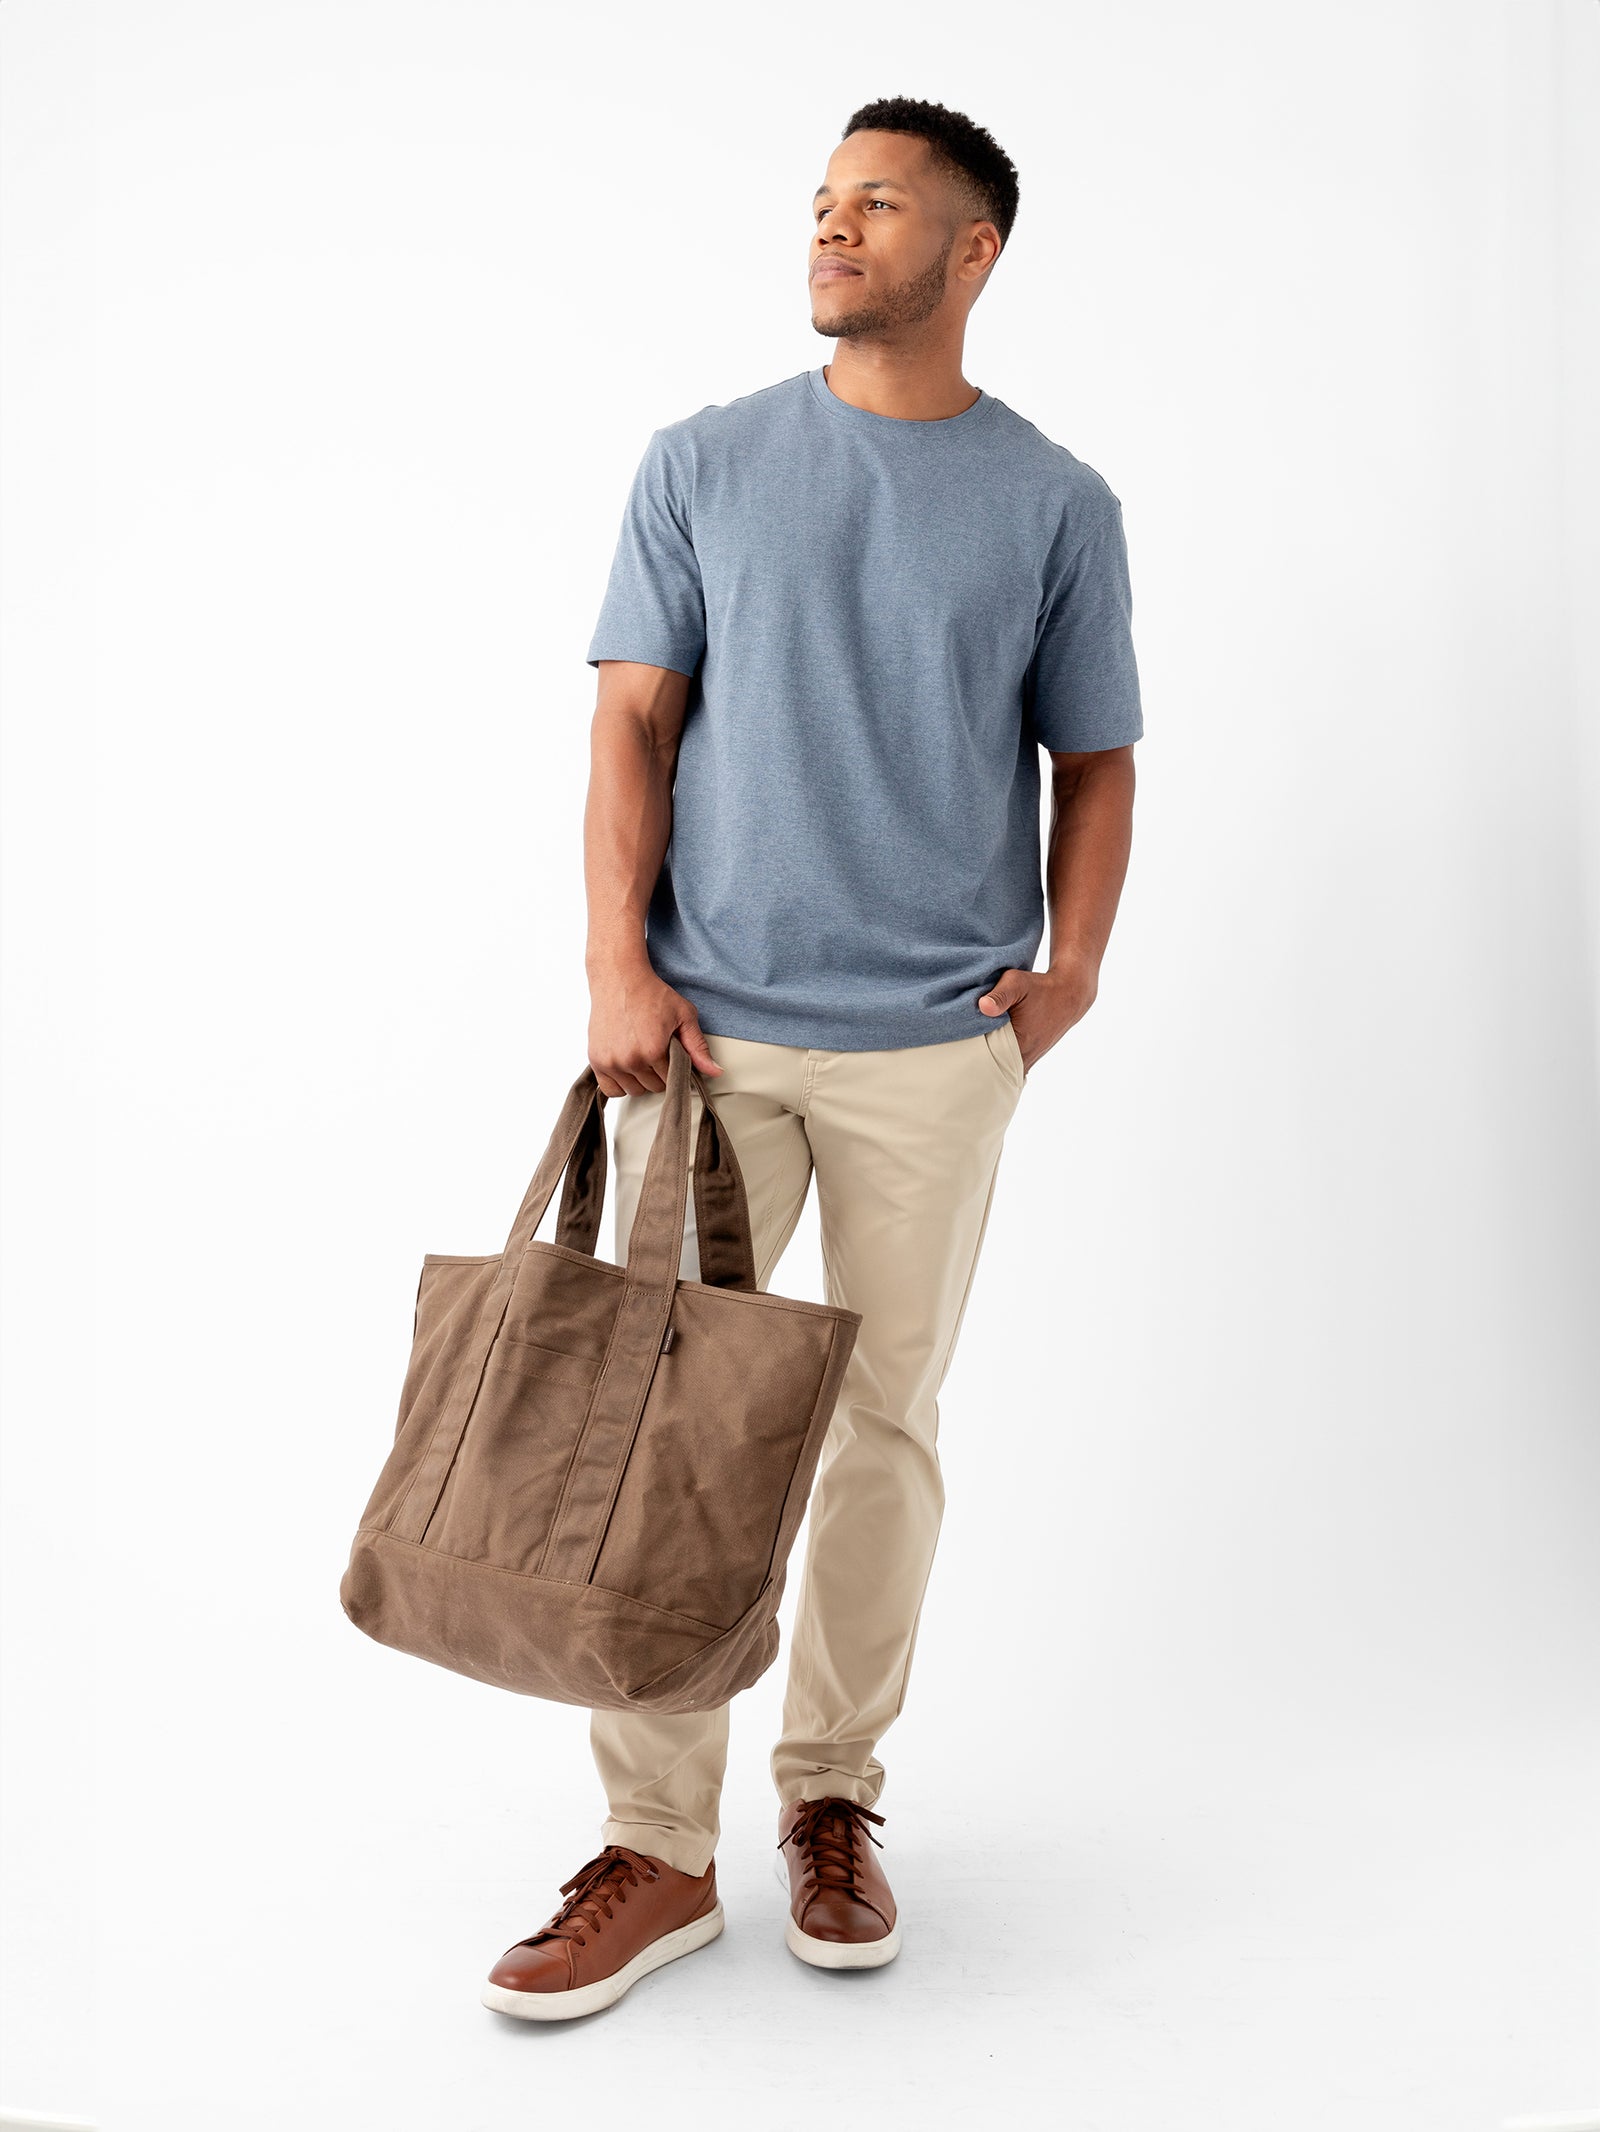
1245,1774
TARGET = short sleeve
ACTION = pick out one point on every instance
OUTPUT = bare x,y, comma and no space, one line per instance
1083,684
654,605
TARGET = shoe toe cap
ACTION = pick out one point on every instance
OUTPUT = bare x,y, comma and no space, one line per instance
842,1920
546,1968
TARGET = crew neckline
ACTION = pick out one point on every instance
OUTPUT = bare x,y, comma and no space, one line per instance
843,408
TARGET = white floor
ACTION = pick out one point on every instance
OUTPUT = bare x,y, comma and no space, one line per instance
1188,1938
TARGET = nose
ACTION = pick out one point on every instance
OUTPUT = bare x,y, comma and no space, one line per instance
834,227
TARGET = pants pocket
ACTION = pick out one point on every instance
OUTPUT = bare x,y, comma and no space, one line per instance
1006,1052
1016,1046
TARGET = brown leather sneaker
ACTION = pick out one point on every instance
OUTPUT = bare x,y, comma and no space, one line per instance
841,1914
589,1954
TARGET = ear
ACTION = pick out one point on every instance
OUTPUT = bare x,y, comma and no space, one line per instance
979,253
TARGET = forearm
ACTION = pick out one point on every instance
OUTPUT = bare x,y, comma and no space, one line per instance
627,824
1091,835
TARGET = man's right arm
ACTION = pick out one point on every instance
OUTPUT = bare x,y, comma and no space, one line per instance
627,824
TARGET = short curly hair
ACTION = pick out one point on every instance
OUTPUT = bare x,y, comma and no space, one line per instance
968,153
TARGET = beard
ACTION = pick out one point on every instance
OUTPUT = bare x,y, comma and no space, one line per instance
908,303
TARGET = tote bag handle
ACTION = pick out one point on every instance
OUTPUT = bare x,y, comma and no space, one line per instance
722,1212
577,1149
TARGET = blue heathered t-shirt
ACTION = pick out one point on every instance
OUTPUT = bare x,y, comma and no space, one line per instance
883,622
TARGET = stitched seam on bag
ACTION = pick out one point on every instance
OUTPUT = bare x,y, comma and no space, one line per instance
420,1467
696,1659
543,1347
771,1302
587,1427
583,1258
743,1295
534,1576
461,1433
583,1433
578,1442
620,1466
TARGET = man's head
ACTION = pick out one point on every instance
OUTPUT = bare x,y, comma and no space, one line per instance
915,207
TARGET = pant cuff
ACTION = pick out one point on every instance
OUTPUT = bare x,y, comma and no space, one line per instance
832,1784
679,1848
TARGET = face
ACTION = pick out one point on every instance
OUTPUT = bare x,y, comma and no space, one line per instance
890,245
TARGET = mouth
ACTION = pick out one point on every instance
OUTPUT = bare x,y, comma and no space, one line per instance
835,272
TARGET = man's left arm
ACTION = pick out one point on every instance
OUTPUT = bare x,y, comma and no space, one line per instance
1091,835
1084,707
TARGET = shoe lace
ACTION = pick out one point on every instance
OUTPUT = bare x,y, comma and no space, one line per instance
826,1833
590,1893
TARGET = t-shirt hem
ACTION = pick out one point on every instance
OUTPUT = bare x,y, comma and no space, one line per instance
823,1032
1091,743
644,655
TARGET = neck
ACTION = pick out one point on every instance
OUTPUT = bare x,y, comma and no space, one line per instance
923,385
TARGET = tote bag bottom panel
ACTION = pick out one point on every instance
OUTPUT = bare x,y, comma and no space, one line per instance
540,1636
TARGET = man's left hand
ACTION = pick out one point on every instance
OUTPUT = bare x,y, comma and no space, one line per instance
1043,1004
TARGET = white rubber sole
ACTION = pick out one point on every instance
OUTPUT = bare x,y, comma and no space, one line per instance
591,1998
833,1954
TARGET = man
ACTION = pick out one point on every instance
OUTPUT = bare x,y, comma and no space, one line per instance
844,614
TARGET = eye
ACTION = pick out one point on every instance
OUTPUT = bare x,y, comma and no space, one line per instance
823,212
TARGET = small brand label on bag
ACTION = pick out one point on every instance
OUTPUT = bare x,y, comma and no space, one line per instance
671,1335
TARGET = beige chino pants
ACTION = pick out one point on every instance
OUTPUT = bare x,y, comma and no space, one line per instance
905,1147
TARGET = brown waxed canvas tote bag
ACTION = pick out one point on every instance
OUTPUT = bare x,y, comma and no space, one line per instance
598,1471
